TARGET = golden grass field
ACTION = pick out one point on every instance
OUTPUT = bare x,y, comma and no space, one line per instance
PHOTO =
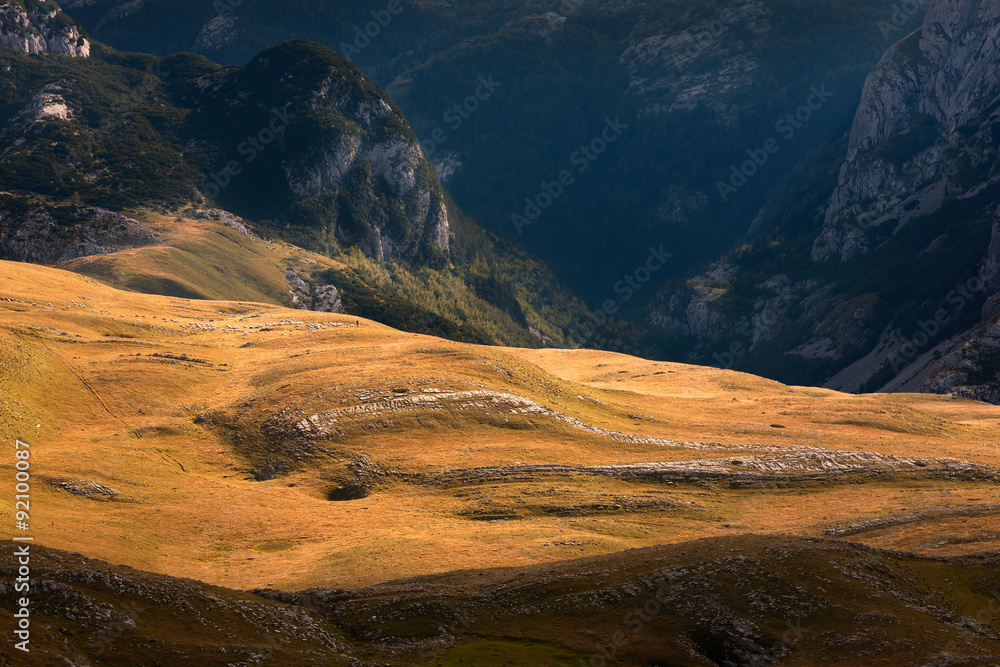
171,403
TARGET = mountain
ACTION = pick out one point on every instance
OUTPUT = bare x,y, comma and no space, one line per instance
645,105
878,269
798,291
697,91
295,145
521,504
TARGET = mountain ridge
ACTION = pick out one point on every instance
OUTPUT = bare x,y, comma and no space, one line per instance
867,288
298,144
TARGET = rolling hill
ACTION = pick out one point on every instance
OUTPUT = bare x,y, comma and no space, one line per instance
252,446
283,402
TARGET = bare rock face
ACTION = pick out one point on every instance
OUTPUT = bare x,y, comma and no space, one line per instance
308,296
41,31
357,140
34,232
924,123
924,138
973,369
687,315
215,34
991,312
699,311
662,64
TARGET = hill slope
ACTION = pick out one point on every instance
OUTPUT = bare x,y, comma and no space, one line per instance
721,601
403,454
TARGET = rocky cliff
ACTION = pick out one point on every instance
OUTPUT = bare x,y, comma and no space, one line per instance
324,146
908,239
926,135
40,27
35,231
925,132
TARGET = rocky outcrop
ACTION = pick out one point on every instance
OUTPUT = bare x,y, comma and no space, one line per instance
42,29
85,487
41,234
308,296
687,315
225,217
396,162
700,311
793,464
664,67
216,34
927,120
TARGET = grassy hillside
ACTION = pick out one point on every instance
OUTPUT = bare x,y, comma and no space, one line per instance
404,455
196,256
